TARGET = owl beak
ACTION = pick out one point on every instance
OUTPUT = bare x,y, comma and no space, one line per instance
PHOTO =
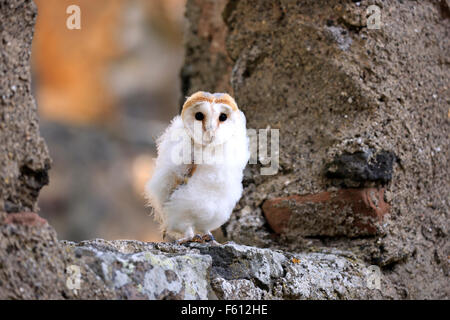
209,135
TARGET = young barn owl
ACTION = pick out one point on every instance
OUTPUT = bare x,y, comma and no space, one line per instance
197,179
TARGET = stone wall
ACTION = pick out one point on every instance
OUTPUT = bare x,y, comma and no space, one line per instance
35,265
363,179
363,118
24,159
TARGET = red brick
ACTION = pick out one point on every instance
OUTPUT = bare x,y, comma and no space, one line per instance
25,218
346,212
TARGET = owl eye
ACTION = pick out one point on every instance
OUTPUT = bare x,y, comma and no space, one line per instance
222,117
199,116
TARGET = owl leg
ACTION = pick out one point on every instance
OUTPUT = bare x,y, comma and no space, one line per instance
188,235
208,237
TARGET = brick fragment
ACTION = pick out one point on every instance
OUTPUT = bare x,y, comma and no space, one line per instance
346,212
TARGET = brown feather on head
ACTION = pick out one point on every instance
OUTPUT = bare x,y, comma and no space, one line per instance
201,96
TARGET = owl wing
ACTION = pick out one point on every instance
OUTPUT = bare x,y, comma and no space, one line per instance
169,170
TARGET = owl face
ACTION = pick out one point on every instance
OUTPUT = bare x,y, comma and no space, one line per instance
210,119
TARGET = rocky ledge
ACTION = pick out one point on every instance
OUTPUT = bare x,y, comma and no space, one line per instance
34,264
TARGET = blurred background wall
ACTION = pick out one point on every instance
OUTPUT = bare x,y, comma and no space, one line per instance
104,93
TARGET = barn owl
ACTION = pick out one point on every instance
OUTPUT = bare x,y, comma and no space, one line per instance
197,179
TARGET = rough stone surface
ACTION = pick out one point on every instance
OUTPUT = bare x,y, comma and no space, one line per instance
361,167
229,271
334,88
205,48
24,159
35,265
137,270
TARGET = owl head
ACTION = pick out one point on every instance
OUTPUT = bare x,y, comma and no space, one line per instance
211,118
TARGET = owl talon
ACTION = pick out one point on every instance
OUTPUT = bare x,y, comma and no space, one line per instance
206,238
182,241
196,238
210,239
